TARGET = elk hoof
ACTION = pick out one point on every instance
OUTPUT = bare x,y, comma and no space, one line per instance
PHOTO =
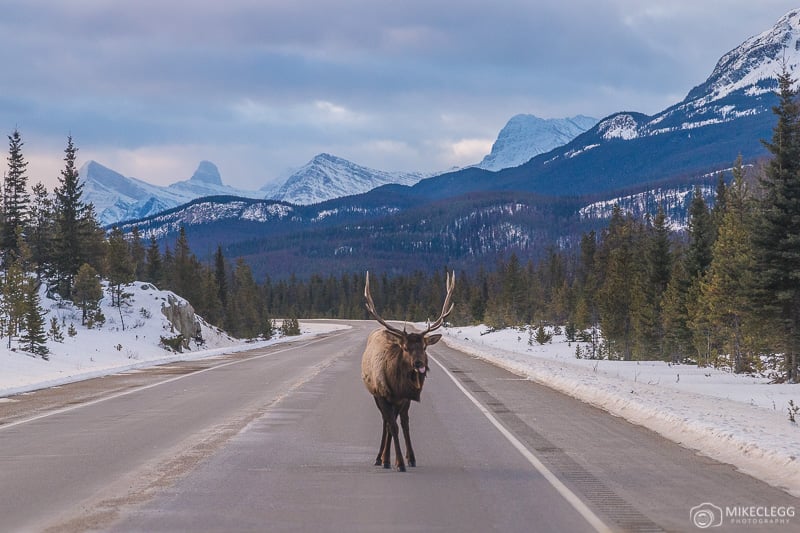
412,463
401,468
378,462
387,465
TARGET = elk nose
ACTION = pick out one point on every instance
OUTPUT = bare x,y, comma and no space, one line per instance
418,364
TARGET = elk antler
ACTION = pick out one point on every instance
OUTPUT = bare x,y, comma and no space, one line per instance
371,308
447,307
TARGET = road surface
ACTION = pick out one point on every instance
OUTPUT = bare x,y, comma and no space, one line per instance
283,439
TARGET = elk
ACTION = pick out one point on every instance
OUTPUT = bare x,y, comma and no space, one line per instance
394,367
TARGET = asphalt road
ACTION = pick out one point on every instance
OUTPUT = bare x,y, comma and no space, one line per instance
283,439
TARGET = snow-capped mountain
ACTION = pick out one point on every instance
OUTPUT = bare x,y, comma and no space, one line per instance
741,86
526,136
326,177
117,197
206,181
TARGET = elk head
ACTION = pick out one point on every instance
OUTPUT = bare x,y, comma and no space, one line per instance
413,344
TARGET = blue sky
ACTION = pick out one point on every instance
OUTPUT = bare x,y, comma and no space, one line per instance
150,88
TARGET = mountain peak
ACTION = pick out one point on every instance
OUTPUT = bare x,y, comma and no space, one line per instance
327,176
754,65
526,136
207,172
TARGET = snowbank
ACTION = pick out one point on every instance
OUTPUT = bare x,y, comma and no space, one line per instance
109,348
736,419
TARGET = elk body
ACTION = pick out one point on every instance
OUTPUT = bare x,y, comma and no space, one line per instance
394,367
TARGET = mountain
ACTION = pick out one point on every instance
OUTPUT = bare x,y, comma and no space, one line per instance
725,116
326,177
117,197
206,181
526,136
468,218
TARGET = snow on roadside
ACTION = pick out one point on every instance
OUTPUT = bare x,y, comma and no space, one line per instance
110,348
736,419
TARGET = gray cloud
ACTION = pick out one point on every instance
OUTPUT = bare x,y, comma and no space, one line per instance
155,86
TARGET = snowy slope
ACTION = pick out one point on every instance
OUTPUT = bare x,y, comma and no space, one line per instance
326,177
526,136
108,349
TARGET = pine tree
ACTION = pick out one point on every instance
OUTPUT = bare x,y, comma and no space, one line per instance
650,284
244,316
615,292
221,275
13,302
138,254
120,269
87,291
776,236
72,230
724,295
701,236
154,271
34,339
55,333
40,235
16,200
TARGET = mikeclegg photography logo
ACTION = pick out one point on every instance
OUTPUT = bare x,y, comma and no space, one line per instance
707,515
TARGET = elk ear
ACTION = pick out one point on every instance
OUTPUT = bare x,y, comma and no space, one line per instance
432,339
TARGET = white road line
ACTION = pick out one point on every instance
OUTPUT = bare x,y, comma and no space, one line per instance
562,489
152,385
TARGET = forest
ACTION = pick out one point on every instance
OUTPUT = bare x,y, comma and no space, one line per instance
724,292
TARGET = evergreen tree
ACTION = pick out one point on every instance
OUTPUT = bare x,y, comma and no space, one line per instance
701,236
72,229
40,235
87,291
615,292
13,302
724,298
120,268
34,339
138,254
186,270
16,200
221,275
675,315
244,314
154,271
776,236
55,332
651,282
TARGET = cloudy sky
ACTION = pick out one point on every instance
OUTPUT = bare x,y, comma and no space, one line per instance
152,87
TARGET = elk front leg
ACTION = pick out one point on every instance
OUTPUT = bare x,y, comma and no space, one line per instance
412,460
389,413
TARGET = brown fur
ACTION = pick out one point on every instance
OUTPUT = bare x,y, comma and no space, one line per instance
389,373
394,368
